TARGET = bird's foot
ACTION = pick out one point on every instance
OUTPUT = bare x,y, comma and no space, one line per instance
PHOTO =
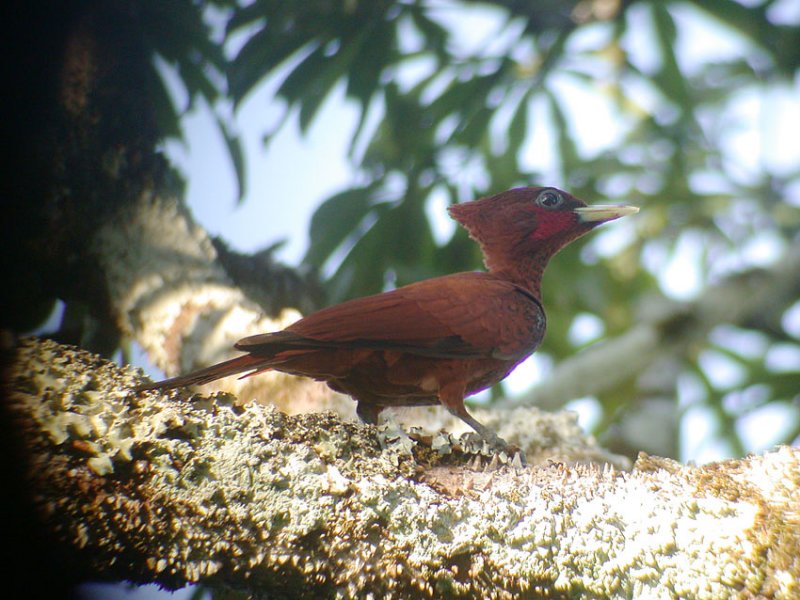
493,448
485,441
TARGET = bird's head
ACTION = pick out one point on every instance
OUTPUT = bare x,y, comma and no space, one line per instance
520,229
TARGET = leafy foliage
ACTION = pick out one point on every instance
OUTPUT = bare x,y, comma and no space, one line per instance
178,33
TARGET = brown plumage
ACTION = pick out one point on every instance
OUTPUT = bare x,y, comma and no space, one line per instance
439,340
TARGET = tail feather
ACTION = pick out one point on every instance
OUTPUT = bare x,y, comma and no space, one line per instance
240,364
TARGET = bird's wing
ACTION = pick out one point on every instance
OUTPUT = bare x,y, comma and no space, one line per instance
466,315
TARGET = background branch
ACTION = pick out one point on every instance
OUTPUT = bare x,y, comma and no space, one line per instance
667,330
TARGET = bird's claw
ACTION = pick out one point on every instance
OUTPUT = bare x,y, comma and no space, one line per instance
495,448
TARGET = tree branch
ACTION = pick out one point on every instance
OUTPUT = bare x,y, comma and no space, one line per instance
161,489
758,296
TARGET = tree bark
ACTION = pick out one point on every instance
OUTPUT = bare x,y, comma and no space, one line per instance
161,489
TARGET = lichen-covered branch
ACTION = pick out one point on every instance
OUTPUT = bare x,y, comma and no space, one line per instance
173,490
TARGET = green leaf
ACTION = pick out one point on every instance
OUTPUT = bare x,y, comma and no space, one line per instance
474,129
374,52
669,78
335,220
167,119
518,127
246,16
362,271
399,240
262,52
436,36
309,84
567,151
234,145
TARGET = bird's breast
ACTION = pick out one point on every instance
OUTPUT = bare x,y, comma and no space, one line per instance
518,328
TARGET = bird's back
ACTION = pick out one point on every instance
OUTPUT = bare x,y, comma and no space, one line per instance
400,347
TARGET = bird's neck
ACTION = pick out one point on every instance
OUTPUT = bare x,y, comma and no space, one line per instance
525,272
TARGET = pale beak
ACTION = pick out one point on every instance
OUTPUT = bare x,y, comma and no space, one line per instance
601,213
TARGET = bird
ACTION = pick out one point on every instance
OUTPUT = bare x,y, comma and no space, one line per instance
439,340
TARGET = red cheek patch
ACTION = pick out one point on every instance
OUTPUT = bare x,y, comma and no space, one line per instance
549,224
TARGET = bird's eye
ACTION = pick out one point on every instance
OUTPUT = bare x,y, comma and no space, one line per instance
549,199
